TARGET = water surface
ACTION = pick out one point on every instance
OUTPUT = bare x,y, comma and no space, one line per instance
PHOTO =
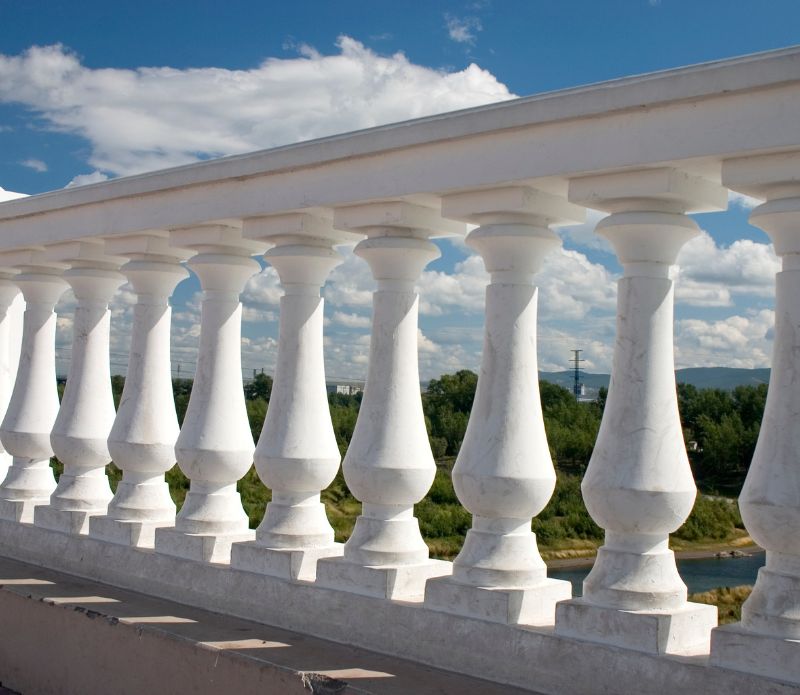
699,575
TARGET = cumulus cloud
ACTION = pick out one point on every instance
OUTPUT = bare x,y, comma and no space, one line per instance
709,275
743,341
263,288
86,179
584,234
155,117
36,164
351,320
743,201
462,29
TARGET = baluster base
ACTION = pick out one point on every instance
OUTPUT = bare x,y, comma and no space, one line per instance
65,521
286,563
197,546
136,534
535,605
684,630
735,647
398,582
21,510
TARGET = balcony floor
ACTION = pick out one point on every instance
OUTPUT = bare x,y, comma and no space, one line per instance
62,634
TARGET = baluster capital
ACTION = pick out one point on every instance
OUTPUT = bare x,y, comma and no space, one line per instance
302,246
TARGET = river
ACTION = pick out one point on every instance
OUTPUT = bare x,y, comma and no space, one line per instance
699,575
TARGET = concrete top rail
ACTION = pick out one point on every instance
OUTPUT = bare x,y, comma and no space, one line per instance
696,115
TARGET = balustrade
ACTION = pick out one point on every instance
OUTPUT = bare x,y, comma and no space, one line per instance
297,454
766,640
638,485
389,465
142,438
80,432
215,447
32,410
9,354
504,474
516,171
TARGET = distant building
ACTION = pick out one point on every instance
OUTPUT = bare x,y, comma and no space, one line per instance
346,389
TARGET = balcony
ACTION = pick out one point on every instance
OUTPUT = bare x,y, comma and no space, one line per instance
648,151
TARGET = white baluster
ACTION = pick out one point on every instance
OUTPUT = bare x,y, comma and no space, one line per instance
8,359
32,410
80,432
297,455
215,446
389,465
142,439
639,484
767,641
504,474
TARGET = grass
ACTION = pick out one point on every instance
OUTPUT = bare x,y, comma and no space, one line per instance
563,530
728,601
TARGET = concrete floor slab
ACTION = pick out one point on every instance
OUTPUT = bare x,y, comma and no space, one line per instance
62,634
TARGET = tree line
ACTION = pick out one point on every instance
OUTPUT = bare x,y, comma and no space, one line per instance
720,427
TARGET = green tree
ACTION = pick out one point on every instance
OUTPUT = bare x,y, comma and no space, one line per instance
259,387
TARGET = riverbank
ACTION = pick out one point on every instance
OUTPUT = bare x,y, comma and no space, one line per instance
584,557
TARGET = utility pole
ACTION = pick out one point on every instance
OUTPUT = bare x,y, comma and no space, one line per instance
576,364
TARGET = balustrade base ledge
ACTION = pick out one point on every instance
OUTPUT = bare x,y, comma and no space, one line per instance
139,534
685,630
21,510
529,606
527,657
199,547
398,582
286,563
76,522
735,647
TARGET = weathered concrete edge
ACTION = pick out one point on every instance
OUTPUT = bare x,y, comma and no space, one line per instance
524,657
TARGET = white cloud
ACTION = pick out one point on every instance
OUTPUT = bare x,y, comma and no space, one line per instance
425,344
151,118
462,29
263,288
743,201
584,234
86,179
709,275
35,164
736,341
351,320
350,283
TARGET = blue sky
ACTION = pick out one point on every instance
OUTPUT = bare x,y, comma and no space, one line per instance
121,89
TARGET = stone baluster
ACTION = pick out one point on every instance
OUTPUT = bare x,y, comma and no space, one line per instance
9,356
297,455
80,432
215,446
142,439
389,465
639,484
767,641
504,474
32,410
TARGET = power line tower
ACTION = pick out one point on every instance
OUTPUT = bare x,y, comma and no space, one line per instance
576,366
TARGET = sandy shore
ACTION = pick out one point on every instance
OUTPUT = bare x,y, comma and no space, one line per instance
700,554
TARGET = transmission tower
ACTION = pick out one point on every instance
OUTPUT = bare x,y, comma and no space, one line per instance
576,365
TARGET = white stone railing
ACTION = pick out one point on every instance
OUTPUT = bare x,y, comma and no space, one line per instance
647,151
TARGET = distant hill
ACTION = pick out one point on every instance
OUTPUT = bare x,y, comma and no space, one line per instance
701,377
